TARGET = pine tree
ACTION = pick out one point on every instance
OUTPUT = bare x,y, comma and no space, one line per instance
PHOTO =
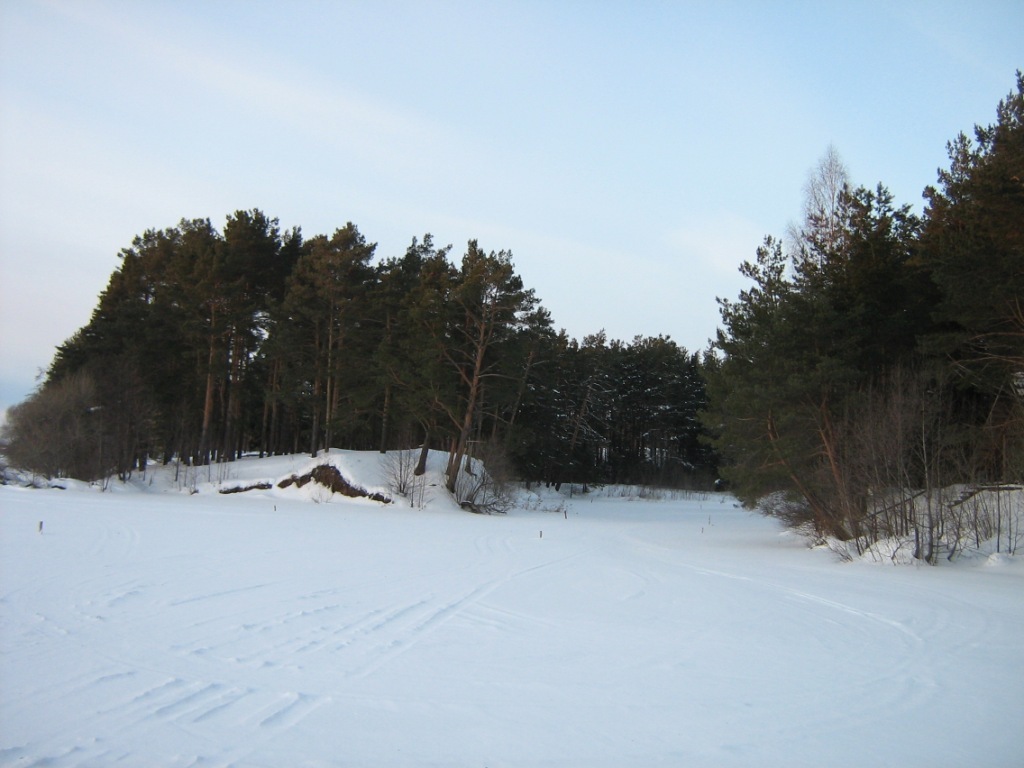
326,303
491,302
973,240
402,283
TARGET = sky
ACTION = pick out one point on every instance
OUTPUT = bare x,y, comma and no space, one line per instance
630,155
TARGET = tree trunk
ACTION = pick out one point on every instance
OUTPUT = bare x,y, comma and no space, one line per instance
384,419
232,412
204,435
269,406
421,465
315,435
467,419
331,384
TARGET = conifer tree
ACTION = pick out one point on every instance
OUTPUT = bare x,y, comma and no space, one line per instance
491,302
973,241
325,304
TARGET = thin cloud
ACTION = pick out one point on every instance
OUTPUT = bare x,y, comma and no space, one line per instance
271,91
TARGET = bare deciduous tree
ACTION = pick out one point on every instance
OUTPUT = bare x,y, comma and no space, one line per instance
821,231
57,431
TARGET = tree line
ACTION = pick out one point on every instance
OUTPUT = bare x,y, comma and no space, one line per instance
207,345
874,369
870,380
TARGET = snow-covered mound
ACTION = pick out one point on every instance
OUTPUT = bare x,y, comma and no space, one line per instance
159,626
353,474
375,477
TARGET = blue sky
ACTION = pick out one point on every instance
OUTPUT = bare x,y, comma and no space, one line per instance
629,154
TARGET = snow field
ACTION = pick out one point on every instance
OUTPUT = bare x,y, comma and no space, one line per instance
260,629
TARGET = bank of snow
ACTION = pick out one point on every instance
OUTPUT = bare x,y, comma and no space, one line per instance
176,628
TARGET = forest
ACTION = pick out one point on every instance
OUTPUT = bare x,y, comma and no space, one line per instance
870,382
866,384
207,345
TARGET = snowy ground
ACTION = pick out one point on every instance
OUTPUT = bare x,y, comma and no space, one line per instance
262,629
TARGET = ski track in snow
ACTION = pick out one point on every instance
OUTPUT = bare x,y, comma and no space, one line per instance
154,630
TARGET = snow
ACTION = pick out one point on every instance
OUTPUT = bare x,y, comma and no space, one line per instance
150,625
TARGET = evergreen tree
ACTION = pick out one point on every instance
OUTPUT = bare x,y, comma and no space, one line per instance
246,275
424,384
491,303
973,240
326,302
280,422
403,298
800,351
